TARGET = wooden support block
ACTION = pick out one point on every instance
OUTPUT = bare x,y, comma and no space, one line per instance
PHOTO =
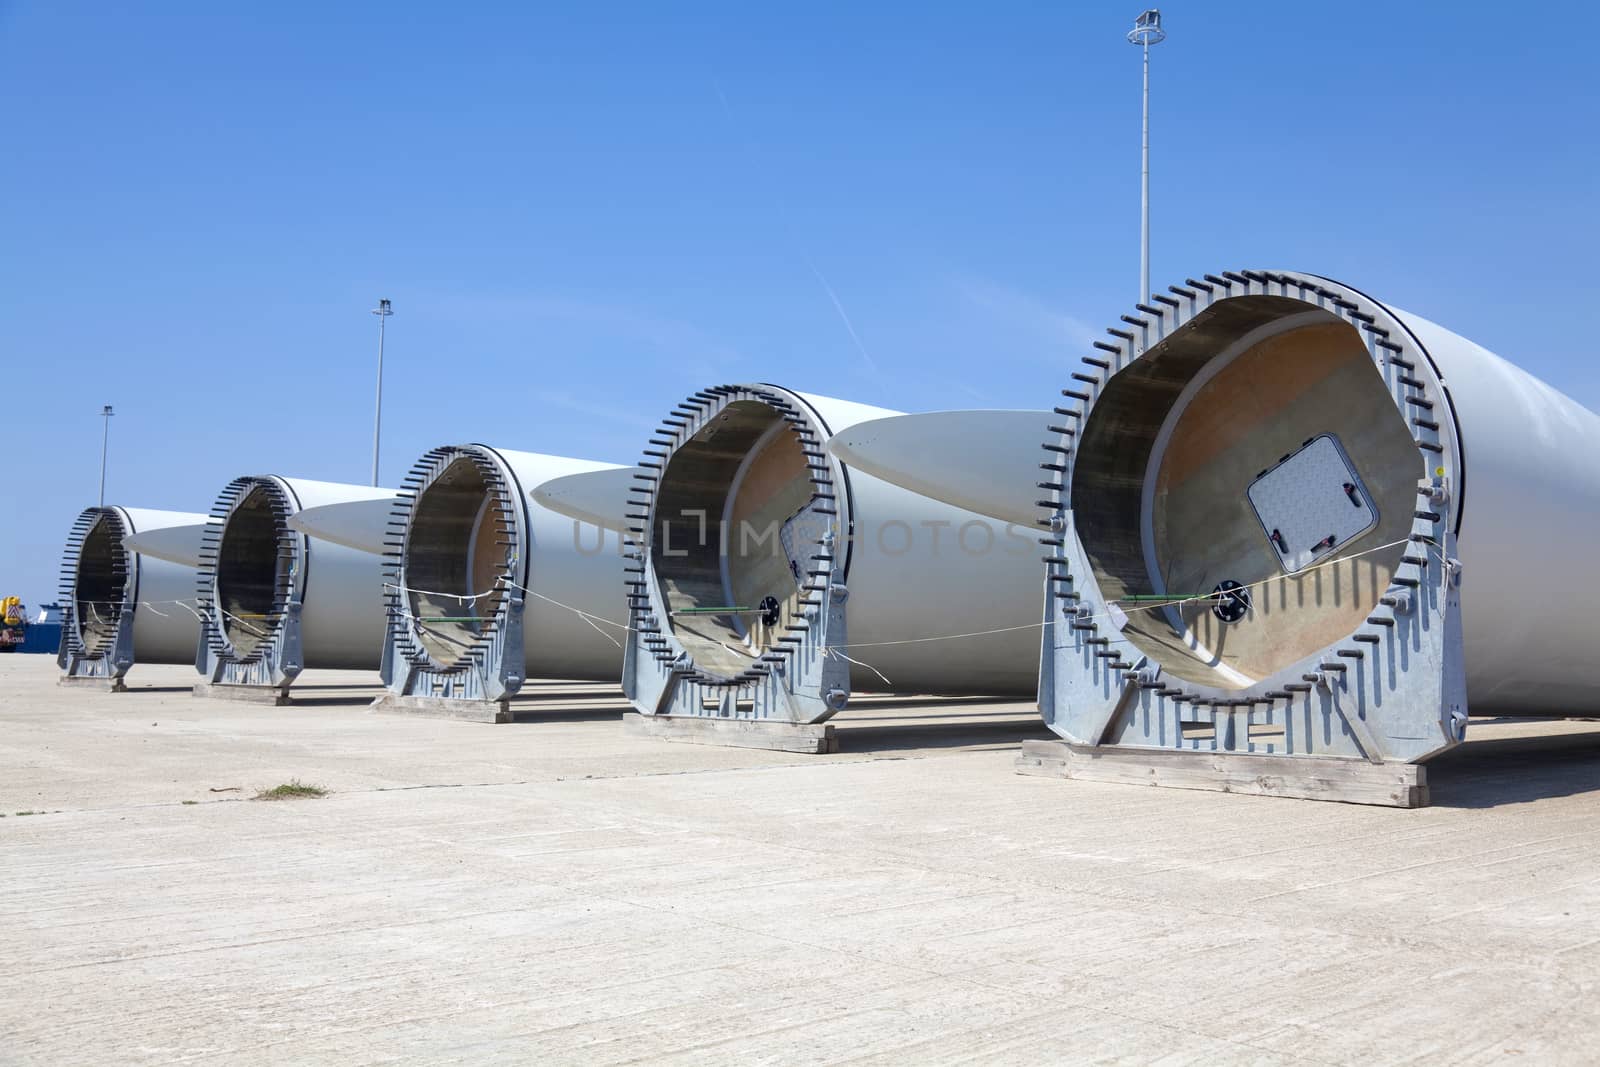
1348,781
491,711
105,685
270,695
811,738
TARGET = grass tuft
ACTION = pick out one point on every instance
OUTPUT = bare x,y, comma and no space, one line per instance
293,789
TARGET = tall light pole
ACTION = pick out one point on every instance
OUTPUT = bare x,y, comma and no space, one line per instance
1146,32
383,311
105,437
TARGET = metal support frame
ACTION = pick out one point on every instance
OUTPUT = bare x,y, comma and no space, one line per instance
797,682
1393,691
493,669
277,661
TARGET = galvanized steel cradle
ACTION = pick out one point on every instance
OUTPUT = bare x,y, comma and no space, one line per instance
144,597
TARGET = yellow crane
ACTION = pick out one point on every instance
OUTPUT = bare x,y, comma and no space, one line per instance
13,623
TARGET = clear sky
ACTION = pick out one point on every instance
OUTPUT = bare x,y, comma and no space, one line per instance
583,212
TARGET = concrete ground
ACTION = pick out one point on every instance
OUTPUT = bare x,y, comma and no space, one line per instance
553,892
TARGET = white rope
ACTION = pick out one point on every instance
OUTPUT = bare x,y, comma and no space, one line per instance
422,625
591,617
837,650
1130,607
1252,585
151,604
223,611
501,584
184,604
469,598
1265,581
599,631
941,637
834,651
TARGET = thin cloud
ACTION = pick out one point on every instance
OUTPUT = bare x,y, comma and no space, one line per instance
872,364
698,349
567,402
788,233
1025,315
977,395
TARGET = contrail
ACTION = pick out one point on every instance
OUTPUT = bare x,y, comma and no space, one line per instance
837,306
783,216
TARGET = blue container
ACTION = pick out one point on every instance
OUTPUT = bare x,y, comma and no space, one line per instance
42,637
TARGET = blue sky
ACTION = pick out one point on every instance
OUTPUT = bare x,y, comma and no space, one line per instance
584,212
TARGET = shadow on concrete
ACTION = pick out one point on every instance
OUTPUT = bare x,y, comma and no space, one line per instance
918,736
361,687
570,683
522,713
569,698
1515,770
863,716
579,703
301,694
882,702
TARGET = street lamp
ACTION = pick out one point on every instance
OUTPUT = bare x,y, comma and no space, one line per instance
1146,32
383,311
105,437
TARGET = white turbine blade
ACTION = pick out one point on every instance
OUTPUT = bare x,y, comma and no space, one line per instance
175,544
597,497
984,461
358,524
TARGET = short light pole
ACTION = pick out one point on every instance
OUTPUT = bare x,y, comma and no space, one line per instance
1146,32
383,311
105,438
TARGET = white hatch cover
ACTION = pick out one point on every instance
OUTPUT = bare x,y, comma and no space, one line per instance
1311,503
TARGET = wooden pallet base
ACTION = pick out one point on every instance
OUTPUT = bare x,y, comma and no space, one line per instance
270,695
490,711
104,685
810,738
1396,785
